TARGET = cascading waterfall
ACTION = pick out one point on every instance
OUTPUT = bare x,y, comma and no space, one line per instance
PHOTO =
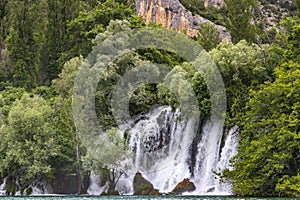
207,157
2,187
228,151
161,144
94,188
38,188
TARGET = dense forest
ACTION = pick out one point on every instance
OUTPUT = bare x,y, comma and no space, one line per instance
43,44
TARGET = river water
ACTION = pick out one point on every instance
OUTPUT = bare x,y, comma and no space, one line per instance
138,197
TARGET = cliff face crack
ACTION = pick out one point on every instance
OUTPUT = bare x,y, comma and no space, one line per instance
172,14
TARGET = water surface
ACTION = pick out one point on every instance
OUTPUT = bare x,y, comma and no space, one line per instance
139,197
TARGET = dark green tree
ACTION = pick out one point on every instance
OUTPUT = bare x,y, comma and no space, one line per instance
268,161
209,36
25,40
82,30
239,20
60,13
3,25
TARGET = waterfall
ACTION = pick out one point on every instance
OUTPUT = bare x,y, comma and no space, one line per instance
2,187
161,142
95,188
209,160
207,157
40,188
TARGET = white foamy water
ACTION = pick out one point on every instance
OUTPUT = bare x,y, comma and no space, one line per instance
161,145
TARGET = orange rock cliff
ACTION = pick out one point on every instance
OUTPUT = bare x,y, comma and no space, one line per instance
172,14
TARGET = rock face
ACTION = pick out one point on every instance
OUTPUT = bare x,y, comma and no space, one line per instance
215,3
184,186
141,186
172,14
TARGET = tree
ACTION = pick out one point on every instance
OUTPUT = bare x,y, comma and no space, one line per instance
60,13
71,149
9,96
297,3
239,20
28,141
209,37
242,67
3,25
112,154
25,40
268,161
83,30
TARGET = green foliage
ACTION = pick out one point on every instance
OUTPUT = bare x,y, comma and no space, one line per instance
239,15
65,81
289,185
216,15
3,21
209,37
111,154
294,44
60,13
297,3
7,98
28,140
25,41
268,161
83,29
242,67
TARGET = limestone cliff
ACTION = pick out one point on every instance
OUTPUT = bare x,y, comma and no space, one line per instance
172,14
215,3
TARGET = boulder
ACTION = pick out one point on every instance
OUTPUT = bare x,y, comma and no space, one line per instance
113,192
141,186
184,186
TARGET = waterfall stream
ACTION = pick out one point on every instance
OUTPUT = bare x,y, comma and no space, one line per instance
2,187
161,143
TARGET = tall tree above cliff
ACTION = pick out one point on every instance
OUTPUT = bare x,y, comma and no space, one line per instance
27,20
60,13
83,29
239,19
3,4
297,3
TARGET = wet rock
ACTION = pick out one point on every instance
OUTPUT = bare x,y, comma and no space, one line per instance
113,192
141,186
210,190
184,186
28,191
154,192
